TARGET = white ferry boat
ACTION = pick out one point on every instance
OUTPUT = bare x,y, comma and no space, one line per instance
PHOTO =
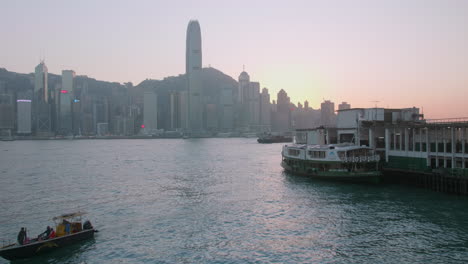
311,155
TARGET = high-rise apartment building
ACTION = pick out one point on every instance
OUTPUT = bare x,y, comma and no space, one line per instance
23,109
174,110
68,79
344,106
7,112
327,114
254,106
183,110
265,110
227,104
249,103
65,98
243,113
282,116
244,85
150,112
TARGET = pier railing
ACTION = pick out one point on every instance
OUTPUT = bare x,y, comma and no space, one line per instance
367,158
447,120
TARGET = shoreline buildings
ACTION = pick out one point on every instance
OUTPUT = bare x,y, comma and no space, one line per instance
203,101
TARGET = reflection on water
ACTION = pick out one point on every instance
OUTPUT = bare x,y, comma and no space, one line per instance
216,201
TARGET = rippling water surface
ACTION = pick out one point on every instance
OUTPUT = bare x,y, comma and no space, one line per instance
218,201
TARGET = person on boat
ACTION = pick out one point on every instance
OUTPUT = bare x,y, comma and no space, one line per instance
45,235
52,233
87,225
21,236
67,226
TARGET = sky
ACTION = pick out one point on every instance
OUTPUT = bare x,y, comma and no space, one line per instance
394,53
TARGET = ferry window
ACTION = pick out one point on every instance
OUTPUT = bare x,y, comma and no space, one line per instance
341,154
317,154
293,152
392,141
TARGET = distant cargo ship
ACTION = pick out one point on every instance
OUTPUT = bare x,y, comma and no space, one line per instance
269,138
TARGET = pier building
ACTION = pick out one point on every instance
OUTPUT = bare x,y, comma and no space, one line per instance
428,153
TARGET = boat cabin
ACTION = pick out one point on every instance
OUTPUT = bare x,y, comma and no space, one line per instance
68,223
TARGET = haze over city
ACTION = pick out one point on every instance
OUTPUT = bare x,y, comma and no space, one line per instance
400,53
261,131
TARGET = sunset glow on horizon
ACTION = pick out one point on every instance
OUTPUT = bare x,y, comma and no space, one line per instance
387,53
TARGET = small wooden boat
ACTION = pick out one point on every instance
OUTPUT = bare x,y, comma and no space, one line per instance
69,231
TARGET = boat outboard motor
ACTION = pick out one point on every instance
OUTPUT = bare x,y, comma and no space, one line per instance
87,225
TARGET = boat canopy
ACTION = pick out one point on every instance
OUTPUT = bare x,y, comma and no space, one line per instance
68,216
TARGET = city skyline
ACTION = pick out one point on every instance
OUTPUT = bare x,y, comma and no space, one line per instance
400,54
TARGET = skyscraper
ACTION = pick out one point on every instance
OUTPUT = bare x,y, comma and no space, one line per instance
68,77
41,90
265,110
174,110
7,113
327,113
344,106
254,106
249,102
65,98
23,107
283,112
150,112
227,104
193,66
244,85
42,109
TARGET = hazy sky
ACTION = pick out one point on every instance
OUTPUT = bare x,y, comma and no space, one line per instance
402,53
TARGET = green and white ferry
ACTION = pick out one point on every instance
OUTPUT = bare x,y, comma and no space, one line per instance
311,155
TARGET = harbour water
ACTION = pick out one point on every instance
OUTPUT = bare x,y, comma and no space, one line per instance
218,201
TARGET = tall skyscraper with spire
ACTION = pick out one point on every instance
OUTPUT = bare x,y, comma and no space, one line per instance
193,64
40,82
42,118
